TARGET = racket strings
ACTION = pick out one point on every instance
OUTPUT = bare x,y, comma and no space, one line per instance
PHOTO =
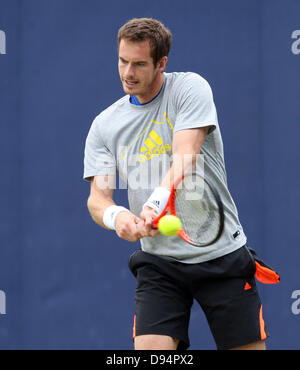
198,209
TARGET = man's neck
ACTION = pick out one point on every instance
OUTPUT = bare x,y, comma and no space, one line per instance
144,99
136,101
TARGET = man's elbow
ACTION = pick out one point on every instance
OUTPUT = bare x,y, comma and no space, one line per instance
91,206
88,202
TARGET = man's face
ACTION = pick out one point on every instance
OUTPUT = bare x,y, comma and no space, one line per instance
138,74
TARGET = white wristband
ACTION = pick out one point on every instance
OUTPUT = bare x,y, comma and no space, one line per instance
158,199
110,215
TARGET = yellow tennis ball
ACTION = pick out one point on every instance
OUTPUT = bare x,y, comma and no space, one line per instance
169,225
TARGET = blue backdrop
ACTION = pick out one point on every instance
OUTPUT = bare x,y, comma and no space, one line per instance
66,280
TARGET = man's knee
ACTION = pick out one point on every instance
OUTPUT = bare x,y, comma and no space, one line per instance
155,342
259,345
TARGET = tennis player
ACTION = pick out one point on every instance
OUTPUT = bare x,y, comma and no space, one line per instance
163,119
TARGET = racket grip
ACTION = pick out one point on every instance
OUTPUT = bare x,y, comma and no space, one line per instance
155,224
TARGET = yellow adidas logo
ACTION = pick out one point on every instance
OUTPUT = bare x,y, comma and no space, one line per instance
153,146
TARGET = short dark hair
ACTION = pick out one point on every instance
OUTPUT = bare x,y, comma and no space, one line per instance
142,29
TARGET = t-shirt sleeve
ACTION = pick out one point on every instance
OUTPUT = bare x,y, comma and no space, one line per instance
97,158
195,104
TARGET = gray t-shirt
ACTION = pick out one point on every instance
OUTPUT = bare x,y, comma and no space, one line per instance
136,142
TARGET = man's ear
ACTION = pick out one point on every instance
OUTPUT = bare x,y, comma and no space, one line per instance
162,63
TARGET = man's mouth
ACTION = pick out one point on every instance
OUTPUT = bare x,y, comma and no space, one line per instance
130,82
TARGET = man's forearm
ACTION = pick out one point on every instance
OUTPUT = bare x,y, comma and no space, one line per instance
100,198
186,148
97,208
182,163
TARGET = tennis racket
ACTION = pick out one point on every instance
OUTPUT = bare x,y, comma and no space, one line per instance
198,205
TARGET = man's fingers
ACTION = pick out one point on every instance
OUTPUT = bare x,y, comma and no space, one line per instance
154,232
137,219
148,222
133,228
127,226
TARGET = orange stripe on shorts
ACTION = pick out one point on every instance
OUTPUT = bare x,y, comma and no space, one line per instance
134,327
263,334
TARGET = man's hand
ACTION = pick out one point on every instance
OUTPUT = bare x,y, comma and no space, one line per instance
148,215
132,228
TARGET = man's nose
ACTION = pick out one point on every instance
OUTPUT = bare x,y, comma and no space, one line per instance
129,70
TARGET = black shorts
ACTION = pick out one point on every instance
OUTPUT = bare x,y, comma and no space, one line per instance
224,287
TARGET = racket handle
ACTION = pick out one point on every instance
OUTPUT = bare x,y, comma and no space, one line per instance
155,224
